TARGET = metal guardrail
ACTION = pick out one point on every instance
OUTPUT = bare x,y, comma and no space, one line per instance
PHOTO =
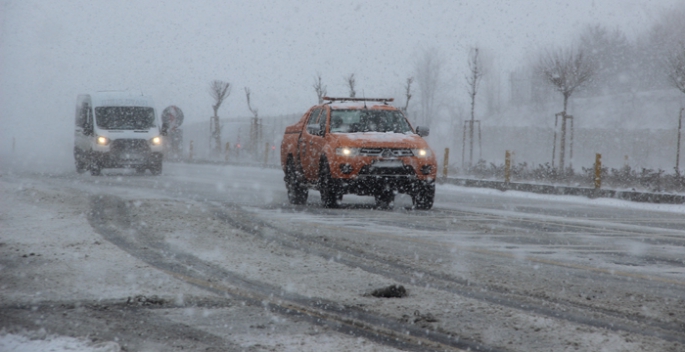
645,197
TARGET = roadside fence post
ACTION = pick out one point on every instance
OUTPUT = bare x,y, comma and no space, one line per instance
507,167
190,151
445,163
598,171
227,151
266,154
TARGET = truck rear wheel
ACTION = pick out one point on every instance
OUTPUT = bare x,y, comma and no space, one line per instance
297,194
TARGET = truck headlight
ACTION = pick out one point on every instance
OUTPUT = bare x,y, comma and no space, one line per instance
421,153
156,140
102,140
345,151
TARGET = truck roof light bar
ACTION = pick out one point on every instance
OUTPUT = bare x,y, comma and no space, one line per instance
384,100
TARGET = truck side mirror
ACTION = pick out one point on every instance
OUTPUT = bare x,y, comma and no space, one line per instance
164,130
422,131
314,130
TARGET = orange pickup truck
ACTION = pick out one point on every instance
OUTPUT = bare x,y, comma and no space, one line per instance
358,146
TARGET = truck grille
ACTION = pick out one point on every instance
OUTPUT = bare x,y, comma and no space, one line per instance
369,170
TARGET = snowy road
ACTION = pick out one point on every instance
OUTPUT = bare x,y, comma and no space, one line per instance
211,256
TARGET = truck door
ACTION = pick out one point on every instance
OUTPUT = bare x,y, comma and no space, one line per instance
308,156
318,141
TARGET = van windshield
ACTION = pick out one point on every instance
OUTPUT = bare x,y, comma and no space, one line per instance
363,120
125,117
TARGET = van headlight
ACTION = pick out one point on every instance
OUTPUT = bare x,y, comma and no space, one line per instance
421,153
345,151
102,140
156,140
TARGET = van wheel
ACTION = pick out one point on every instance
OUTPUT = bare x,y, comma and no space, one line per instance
297,194
79,161
156,168
140,170
95,169
385,199
80,165
424,196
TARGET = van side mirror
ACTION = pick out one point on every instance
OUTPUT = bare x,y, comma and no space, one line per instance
422,131
88,128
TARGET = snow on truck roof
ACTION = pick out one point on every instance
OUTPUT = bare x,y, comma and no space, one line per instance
357,103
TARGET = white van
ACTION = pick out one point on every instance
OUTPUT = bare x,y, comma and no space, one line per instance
117,130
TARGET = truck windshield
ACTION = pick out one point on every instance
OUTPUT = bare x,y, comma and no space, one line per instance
363,120
125,117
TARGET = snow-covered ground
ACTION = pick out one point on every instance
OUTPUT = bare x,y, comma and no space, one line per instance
587,256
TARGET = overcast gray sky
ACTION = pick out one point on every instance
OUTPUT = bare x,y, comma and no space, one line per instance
50,51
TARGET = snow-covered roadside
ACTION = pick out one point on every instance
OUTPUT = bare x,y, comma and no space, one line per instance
606,202
53,343
49,253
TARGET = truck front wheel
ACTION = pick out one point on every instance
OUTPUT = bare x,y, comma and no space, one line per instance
423,196
331,195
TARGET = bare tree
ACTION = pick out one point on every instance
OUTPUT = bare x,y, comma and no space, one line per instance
473,82
428,71
219,90
351,82
567,70
319,88
255,112
675,66
407,90
255,125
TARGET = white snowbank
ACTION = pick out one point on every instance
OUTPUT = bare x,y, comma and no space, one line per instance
53,343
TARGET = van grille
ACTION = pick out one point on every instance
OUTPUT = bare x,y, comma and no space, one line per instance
130,148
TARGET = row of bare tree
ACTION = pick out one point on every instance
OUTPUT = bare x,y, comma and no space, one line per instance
219,91
602,61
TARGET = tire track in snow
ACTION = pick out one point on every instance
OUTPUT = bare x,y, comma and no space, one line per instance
109,217
563,310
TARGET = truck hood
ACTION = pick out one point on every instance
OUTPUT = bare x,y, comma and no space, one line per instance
378,140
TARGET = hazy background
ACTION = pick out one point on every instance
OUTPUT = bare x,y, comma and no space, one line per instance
171,50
